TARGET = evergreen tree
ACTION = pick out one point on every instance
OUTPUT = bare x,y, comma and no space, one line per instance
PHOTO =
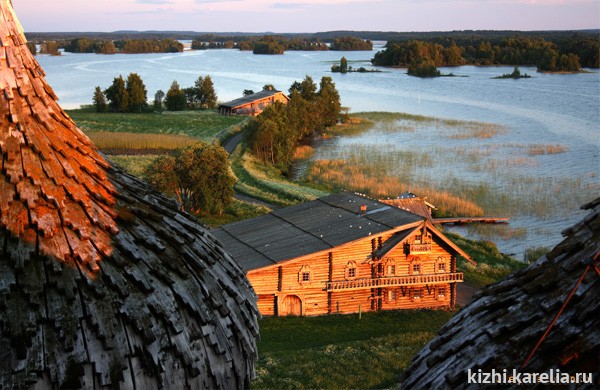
209,96
117,95
158,99
176,99
343,65
136,90
99,100
328,102
248,92
196,98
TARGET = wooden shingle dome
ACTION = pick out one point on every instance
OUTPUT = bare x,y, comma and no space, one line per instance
544,319
103,281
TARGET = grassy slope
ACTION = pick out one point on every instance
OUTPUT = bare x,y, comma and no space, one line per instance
334,352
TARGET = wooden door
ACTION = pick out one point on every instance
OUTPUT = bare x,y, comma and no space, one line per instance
291,306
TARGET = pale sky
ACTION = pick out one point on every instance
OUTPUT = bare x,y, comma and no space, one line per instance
307,15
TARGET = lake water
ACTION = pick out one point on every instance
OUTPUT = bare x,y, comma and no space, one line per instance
547,109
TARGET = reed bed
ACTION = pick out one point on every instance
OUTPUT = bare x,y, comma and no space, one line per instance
303,152
492,177
536,150
137,141
367,179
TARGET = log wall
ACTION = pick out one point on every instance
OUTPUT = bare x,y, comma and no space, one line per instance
275,284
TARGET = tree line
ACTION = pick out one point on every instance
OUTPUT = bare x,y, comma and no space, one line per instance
274,135
518,50
131,96
103,46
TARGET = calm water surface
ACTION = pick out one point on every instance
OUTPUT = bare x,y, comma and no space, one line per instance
545,109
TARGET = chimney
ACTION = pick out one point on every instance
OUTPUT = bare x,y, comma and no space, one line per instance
363,208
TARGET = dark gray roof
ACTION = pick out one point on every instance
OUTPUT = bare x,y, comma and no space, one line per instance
307,228
250,98
502,327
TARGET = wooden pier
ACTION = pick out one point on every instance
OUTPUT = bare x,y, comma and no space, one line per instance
465,220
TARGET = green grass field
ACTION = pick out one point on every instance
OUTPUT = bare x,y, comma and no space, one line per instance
342,352
205,125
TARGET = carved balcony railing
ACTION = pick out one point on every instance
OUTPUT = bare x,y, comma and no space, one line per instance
408,280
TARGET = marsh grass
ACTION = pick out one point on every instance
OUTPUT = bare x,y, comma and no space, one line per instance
491,177
342,351
536,150
303,152
364,178
110,140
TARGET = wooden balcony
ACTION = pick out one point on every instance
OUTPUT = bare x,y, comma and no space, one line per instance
407,280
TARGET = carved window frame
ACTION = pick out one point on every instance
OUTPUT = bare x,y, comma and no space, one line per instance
441,292
304,275
441,261
416,294
415,262
351,270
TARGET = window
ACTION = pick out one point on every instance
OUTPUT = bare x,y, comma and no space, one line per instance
391,295
351,272
416,268
418,239
440,264
391,270
441,292
417,293
304,275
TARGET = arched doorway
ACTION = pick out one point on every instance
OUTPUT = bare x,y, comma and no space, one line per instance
291,306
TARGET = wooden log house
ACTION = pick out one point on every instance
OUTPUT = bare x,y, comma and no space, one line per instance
344,253
541,320
104,283
254,104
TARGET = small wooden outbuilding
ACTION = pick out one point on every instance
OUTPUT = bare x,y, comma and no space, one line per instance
254,104
104,283
344,253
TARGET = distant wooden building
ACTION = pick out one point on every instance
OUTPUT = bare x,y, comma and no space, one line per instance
342,254
254,104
